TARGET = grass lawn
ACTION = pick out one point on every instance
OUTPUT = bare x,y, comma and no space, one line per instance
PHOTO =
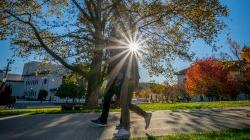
229,134
145,106
194,105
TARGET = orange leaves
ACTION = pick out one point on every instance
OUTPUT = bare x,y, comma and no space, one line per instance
245,55
209,77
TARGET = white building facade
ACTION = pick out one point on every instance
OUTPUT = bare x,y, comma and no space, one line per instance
37,76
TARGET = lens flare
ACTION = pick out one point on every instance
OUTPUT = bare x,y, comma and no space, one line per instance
133,46
126,47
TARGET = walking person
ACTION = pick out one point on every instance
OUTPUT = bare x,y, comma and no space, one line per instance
9,102
113,88
49,99
13,102
7,96
121,86
114,81
130,85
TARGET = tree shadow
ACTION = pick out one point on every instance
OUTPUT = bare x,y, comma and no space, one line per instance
77,126
56,126
209,119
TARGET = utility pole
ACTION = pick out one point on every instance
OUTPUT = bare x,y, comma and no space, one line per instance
7,69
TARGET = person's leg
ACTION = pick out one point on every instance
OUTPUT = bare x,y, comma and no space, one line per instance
118,93
142,113
125,117
137,109
124,129
126,97
106,104
134,107
102,120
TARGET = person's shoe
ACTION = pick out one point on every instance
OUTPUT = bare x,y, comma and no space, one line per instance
122,133
147,120
98,122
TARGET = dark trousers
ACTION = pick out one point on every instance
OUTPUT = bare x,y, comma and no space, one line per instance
116,90
126,105
113,90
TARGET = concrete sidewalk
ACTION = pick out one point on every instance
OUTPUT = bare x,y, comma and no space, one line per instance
77,126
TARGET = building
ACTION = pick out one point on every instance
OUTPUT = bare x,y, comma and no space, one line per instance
38,76
181,76
16,83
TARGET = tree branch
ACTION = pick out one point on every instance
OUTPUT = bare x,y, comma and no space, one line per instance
48,50
81,10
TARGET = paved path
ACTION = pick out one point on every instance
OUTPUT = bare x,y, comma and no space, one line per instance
77,126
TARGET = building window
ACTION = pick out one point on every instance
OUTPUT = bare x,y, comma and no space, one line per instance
45,81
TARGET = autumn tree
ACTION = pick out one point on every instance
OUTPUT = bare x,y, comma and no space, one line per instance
209,78
245,72
73,32
158,88
144,93
238,58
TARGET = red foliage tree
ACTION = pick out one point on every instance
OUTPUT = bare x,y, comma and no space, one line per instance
245,70
209,78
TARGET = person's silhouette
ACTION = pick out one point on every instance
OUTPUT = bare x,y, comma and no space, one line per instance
125,85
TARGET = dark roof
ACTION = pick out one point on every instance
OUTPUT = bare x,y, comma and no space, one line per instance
11,76
181,72
14,81
37,74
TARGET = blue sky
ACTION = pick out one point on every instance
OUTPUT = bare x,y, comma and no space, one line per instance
238,27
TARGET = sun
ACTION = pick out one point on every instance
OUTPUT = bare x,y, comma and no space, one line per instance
133,46
131,43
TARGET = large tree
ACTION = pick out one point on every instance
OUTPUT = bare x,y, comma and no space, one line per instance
76,33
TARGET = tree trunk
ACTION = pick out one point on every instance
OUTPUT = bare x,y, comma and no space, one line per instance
94,81
92,91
